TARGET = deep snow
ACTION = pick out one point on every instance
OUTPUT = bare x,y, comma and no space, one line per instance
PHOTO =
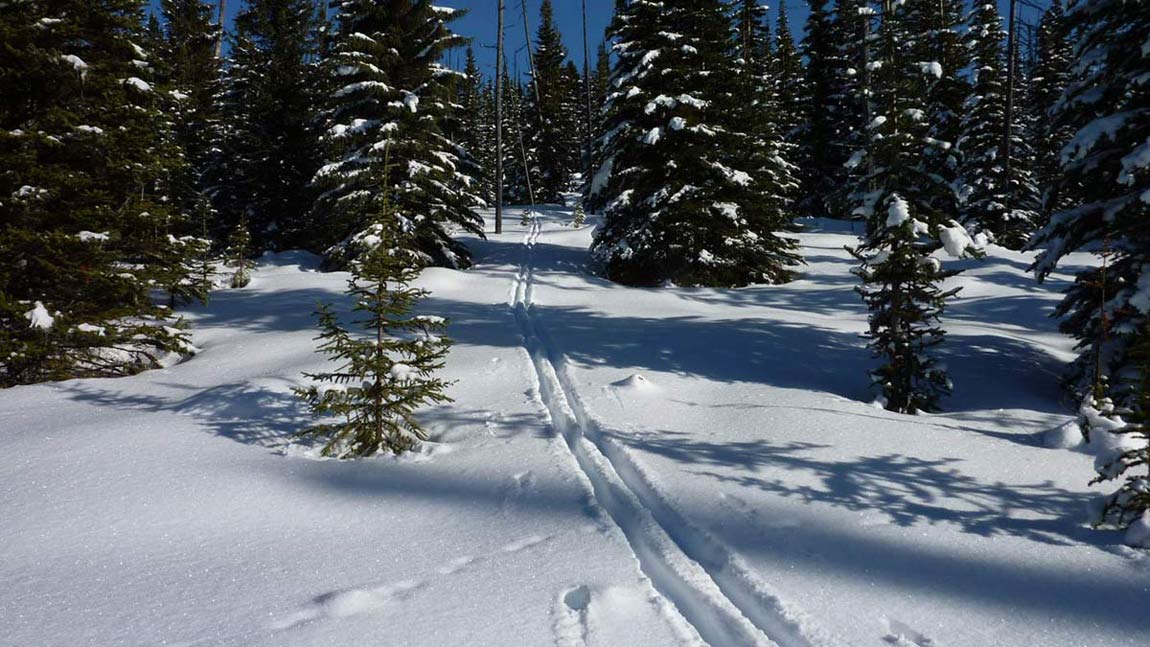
620,467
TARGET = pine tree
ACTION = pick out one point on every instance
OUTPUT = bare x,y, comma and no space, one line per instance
788,73
1129,506
681,202
1106,166
189,72
260,173
822,163
1002,206
837,132
387,88
942,51
382,378
1048,81
86,230
477,126
553,128
897,196
238,251
520,162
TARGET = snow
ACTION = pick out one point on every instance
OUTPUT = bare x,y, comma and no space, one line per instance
677,123
1138,534
955,240
92,236
898,212
90,130
656,467
89,328
138,83
652,136
38,317
411,101
932,68
77,64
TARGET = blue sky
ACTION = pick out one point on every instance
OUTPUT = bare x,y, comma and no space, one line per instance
480,24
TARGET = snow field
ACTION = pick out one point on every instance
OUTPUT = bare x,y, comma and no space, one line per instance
621,467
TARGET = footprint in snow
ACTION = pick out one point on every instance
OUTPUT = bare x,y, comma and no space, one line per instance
571,617
524,543
902,635
350,602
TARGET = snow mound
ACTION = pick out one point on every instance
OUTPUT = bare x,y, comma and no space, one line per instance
1138,534
636,382
1067,436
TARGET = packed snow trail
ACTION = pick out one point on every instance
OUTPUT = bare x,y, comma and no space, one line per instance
718,596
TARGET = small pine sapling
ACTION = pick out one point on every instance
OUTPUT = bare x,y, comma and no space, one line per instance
580,217
1128,450
239,246
384,377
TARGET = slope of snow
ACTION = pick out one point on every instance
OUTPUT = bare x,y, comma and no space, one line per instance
620,467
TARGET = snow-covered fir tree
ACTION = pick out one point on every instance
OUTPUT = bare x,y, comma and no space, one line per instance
1048,81
189,72
1126,453
788,75
386,87
87,232
552,127
260,174
518,159
1001,205
476,131
898,196
1107,166
942,51
682,205
386,370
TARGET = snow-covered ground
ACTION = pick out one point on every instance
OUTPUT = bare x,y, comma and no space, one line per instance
621,467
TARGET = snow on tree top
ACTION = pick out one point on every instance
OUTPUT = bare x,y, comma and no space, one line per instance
138,83
39,317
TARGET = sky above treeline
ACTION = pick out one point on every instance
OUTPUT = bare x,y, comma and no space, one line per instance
480,25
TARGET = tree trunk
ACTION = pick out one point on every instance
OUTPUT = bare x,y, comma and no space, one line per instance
499,124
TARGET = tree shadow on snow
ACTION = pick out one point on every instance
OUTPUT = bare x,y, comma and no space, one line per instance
906,490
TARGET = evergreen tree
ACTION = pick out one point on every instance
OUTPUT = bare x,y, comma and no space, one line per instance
238,251
388,89
1048,81
1129,450
383,378
1106,164
518,160
837,133
942,52
477,126
1002,206
190,73
681,202
788,75
86,231
552,125
260,172
822,162
897,196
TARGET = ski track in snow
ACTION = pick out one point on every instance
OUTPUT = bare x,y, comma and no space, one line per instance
721,599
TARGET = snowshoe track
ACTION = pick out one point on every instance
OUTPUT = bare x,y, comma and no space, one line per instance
720,598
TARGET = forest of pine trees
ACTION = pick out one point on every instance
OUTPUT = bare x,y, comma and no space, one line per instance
140,144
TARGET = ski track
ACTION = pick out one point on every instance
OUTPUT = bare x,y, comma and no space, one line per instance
722,600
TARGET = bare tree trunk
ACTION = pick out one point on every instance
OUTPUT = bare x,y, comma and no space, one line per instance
499,124
220,35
